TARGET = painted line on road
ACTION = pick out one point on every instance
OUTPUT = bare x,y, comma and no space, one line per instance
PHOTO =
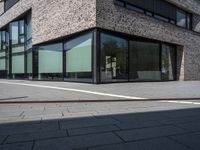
182,102
76,90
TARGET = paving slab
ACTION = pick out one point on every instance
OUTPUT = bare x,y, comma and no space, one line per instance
191,126
91,130
153,144
87,122
29,127
77,142
138,124
18,146
189,140
151,132
35,136
2,138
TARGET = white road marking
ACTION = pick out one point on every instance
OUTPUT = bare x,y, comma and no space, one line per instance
182,102
74,90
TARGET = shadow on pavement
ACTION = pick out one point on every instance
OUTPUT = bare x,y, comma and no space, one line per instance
161,130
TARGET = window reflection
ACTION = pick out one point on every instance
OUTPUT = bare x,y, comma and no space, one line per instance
168,62
181,18
78,53
113,58
50,62
144,61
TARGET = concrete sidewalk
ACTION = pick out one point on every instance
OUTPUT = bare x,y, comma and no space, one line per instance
39,91
100,126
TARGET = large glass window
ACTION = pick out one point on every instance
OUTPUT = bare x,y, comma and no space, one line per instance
3,54
2,60
17,49
18,64
168,62
29,32
144,63
2,50
113,58
29,62
78,53
50,61
28,45
15,33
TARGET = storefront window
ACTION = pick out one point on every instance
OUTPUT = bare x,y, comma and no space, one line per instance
144,63
50,62
78,53
114,54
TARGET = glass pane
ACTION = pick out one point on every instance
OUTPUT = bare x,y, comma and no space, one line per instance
18,64
29,32
51,59
29,62
144,61
2,63
189,21
14,33
21,27
79,54
2,54
16,49
168,62
181,18
21,39
0,41
113,58
3,40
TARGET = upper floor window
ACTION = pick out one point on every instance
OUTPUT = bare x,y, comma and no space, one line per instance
159,9
181,18
9,3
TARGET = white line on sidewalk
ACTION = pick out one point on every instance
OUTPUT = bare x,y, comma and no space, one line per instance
182,102
74,90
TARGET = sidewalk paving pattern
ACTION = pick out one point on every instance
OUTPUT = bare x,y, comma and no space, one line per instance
135,125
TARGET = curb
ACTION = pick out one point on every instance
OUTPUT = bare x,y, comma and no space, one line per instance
97,101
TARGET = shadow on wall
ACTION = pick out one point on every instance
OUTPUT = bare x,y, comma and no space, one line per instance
161,130
180,63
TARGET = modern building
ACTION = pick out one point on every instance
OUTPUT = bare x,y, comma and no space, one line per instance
100,41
